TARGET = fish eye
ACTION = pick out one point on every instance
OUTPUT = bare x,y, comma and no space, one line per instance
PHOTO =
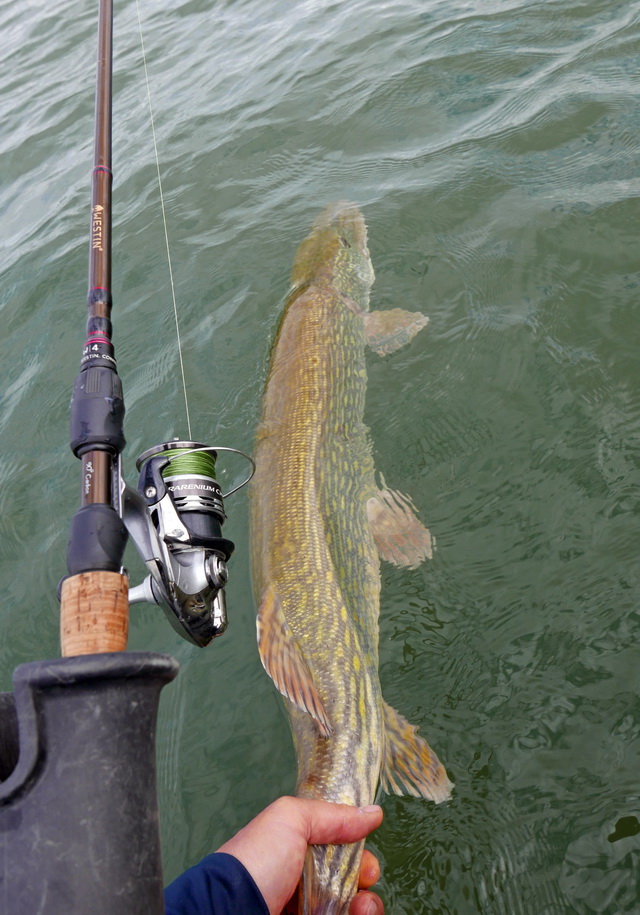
344,242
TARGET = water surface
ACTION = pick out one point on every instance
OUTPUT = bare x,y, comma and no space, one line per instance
492,145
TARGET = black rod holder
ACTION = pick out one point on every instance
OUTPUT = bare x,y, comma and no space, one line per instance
78,812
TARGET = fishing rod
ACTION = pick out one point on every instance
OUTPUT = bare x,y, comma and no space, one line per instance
175,515
98,536
77,734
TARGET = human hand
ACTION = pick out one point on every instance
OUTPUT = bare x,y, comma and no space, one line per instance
273,847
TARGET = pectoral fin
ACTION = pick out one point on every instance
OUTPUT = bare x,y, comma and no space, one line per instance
387,331
283,661
409,765
400,536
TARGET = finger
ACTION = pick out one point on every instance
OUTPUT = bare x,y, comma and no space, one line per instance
369,870
366,904
337,824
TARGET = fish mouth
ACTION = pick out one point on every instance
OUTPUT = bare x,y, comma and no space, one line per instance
345,219
344,216
335,251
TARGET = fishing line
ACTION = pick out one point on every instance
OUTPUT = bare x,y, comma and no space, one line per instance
164,220
200,463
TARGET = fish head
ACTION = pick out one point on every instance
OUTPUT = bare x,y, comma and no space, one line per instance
335,253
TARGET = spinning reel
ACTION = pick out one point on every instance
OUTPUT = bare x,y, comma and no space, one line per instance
175,520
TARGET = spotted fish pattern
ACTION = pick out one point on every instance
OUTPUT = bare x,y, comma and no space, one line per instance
320,524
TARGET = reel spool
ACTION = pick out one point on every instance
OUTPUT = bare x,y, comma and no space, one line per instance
175,520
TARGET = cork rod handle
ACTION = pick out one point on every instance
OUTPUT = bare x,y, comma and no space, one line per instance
94,613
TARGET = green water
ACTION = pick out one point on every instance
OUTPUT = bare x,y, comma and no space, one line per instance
493,147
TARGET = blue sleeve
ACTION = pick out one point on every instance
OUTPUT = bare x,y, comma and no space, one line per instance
218,885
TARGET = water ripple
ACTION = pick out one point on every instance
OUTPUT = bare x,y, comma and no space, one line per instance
493,147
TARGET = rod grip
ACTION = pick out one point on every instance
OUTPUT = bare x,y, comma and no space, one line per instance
94,613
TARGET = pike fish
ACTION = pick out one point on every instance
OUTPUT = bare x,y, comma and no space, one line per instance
320,523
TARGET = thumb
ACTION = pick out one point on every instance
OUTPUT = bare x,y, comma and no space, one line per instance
337,824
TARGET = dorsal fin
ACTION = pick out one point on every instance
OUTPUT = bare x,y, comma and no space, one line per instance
409,765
